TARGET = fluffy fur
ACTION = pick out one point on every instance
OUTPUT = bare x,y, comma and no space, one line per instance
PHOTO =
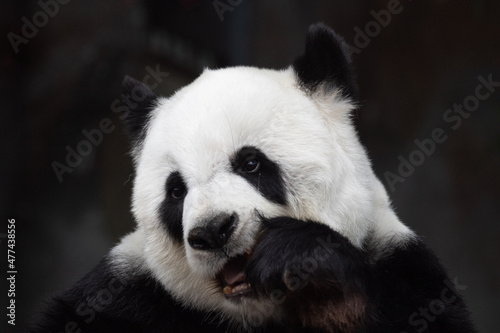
257,176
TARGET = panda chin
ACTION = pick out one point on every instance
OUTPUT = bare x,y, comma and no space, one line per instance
233,279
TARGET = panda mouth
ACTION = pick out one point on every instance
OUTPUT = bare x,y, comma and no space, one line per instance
234,284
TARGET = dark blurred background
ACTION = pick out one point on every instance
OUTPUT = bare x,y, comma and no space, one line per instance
62,63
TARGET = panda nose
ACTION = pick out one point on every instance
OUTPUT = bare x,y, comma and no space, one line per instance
214,233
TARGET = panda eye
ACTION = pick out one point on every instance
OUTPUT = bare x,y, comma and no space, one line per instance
251,166
177,192
175,187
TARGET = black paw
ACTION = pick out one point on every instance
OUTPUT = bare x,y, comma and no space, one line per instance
292,255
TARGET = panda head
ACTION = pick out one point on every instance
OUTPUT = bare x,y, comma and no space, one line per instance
239,145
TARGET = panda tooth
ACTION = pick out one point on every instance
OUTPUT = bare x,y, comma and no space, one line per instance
240,287
227,290
236,288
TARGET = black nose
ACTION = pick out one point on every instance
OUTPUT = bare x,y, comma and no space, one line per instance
214,233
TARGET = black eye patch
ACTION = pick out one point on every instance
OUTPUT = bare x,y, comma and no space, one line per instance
172,205
265,175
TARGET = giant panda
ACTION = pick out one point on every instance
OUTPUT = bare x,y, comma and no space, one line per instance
258,211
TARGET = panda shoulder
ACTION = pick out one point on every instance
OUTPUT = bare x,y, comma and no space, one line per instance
120,295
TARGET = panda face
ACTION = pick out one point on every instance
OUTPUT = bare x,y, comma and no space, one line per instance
235,146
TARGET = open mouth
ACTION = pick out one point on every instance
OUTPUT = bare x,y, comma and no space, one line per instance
234,284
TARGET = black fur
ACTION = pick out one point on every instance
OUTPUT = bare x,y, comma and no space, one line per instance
105,303
171,208
411,281
139,101
326,62
267,180
306,250
323,283
313,270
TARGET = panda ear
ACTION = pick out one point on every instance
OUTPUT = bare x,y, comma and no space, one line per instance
326,63
139,101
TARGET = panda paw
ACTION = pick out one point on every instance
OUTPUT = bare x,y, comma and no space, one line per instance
293,255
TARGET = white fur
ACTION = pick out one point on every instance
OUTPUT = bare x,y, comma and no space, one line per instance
327,174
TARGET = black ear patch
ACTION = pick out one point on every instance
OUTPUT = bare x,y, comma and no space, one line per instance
326,61
139,101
